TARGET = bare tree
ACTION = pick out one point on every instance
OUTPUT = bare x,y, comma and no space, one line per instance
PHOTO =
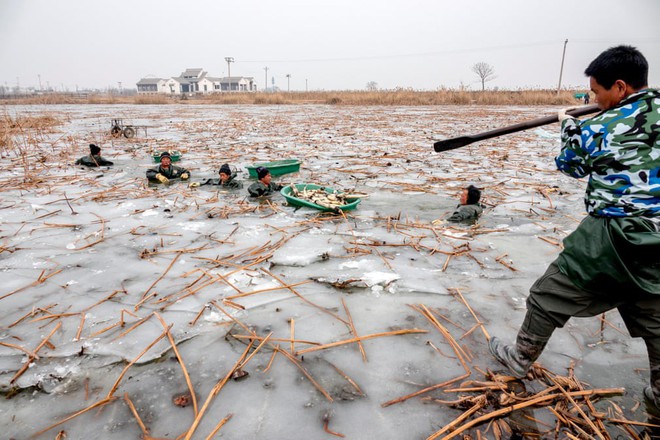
485,72
372,86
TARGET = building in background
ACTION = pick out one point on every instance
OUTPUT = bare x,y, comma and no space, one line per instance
237,84
194,82
152,85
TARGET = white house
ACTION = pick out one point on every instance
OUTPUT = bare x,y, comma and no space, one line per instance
149,86
237,83
195,81
190,80
173,87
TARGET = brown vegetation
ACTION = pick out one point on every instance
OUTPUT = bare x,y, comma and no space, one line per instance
383,97
9,127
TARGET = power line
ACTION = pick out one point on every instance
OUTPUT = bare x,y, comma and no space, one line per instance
419,54
615,40
457,51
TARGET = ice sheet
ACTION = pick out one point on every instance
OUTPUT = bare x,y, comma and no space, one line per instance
95,257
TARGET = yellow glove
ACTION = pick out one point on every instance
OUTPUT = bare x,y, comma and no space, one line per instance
162,179
193,184
184,176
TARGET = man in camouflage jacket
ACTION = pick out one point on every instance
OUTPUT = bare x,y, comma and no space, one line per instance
612,260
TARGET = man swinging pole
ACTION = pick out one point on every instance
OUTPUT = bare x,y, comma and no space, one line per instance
612,259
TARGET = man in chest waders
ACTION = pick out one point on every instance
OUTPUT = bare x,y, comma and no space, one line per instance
612,259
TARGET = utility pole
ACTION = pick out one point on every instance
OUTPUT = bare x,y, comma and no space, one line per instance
40,88
229,61
561,69
288,78
266,79
305,84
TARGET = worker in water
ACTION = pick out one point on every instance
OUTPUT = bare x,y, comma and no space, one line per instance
264,186
166,171
226,179
469,209
94,159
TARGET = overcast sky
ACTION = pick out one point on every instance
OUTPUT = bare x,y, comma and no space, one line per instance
322,44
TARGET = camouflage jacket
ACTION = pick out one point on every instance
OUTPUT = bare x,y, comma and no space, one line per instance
466,213
229,184
258,189
93,161
173,172
619,149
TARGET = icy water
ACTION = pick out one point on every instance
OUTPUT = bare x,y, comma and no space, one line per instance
96,265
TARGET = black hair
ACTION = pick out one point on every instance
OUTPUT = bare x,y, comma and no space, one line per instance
473,195
94,149
262,172
620,62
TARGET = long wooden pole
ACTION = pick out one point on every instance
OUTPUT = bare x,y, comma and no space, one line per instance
461,141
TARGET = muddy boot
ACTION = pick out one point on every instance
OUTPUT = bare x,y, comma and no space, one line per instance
651,404
520,357
652,393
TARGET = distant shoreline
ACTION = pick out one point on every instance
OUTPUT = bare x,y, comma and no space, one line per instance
401,97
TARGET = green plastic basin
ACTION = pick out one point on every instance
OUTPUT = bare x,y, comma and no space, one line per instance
174,154
295,201
276,168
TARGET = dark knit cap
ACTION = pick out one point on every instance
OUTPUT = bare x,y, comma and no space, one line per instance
94,149
165,154
473,195
262,172
225,169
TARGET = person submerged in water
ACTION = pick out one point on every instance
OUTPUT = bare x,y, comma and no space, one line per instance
469,209
94,159
166,171
226,179
264,186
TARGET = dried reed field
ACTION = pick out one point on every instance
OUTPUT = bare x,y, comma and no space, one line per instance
133,310
442,96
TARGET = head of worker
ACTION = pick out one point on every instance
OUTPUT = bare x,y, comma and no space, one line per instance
616,74
94,150
224,173
263,174
470,195
165,159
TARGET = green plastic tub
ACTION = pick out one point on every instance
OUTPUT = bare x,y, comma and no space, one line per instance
276,168
174,154
295,201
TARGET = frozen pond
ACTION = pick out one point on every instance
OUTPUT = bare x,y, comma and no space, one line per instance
96,265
